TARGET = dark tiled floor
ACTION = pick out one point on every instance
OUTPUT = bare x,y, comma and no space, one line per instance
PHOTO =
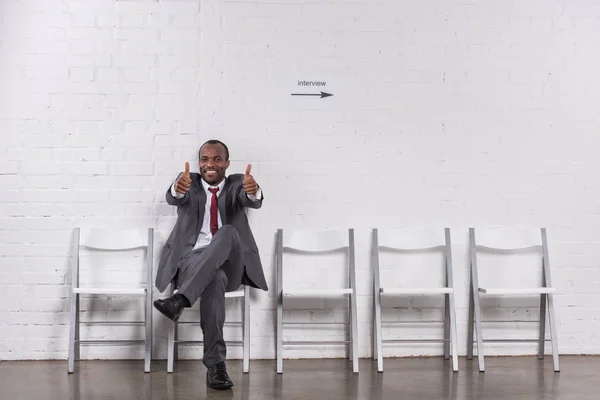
522,378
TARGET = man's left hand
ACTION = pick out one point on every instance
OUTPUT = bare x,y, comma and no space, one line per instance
250,185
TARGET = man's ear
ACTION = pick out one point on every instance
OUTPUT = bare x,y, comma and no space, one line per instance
227,164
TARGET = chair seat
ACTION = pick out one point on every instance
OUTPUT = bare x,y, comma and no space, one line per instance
538,290
235,294
316,292
109,290
441,290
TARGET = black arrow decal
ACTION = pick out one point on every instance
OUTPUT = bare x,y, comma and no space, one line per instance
322,94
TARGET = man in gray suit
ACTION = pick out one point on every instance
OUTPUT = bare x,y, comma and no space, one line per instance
211,249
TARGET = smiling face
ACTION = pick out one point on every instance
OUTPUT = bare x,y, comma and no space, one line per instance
213,163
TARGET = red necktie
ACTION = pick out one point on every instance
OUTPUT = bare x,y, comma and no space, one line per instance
214,211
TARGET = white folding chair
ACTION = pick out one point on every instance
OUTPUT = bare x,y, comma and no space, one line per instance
314,242
510,241
173,341
414,240
111,240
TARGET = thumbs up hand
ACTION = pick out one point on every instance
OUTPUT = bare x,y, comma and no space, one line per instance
184,182
249,184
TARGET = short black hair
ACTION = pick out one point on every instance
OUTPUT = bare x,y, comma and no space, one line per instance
215,141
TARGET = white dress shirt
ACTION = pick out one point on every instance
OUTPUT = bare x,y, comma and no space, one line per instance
205,235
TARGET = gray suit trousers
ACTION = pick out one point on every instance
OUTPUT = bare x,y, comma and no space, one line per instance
206,274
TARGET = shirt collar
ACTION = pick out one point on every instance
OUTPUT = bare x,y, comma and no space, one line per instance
220,186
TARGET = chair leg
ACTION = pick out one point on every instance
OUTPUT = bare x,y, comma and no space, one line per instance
72,324
77,328
374,329
246,361
478,330
280,333
354,333
554,338
378,333
349,332
148,342
471,318
171,346
550,301
542,343
453,334
446,326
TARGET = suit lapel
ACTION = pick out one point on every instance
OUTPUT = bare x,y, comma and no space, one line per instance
222,202
201,204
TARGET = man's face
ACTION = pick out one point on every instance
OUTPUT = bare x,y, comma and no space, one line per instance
213,163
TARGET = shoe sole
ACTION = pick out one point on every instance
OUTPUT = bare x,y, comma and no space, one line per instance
222,387
164,311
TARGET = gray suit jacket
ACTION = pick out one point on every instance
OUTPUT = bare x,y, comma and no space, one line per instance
190,214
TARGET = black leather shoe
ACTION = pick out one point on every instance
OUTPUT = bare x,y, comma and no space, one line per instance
217,378
173,306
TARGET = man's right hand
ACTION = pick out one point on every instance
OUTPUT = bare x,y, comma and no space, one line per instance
184,182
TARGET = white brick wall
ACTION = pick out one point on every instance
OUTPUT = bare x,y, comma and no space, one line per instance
451,113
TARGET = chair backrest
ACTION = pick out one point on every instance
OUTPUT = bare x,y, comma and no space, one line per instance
412,240
113,240
506,239
314,242
523,246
